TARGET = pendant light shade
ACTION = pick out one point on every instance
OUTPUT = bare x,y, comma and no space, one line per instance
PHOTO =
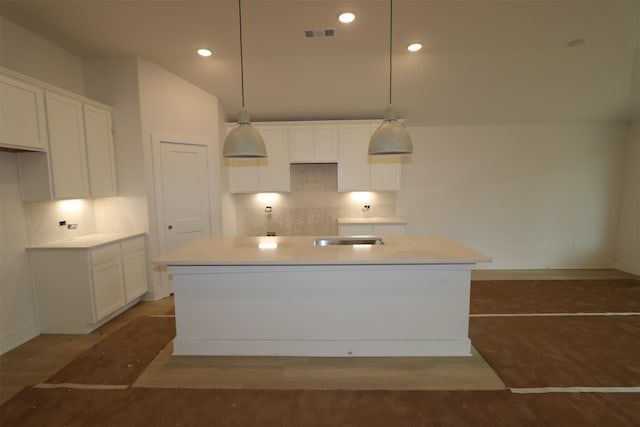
243,141
391,137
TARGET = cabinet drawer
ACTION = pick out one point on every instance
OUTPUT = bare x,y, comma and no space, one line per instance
132,245
105,253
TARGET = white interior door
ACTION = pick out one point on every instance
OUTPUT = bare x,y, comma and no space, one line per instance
185,194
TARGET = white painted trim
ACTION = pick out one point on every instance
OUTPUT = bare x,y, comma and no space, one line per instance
52,88
19,336
535,390
554,314
323,348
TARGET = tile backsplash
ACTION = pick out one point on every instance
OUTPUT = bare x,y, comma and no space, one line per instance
312,208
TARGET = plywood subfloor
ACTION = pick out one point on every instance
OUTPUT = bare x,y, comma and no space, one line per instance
313,373
36,360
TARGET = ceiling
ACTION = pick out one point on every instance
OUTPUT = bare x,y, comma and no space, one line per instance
483,62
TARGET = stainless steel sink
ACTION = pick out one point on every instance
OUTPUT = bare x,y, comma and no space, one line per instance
355,240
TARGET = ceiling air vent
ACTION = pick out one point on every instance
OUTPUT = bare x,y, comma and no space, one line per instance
323,32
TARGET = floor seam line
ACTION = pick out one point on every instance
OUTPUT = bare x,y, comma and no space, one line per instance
632,313
573,389
83,386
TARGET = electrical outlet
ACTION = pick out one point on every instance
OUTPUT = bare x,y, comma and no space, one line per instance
72,226
61,223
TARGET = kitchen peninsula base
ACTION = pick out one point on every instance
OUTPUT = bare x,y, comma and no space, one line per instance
285,296
408,310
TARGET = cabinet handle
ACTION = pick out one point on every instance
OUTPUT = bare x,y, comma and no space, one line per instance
170,227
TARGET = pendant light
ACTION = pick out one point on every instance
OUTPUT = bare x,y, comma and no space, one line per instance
243,141
391,137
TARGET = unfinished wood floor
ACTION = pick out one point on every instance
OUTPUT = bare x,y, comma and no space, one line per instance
501,338
36,360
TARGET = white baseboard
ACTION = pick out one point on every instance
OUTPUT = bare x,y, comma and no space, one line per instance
19,336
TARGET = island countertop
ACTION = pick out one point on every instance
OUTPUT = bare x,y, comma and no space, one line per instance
300,250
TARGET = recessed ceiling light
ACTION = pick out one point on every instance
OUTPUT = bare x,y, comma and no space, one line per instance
347,17
414,47
204,52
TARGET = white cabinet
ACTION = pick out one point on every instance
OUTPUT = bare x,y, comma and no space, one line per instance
78,289
134,268
270,174
67,147
108,285
372,227
358,171
100,156
354,172
22,116
313,143
80,162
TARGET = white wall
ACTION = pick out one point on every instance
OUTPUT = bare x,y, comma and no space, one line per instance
628,250
170,106
528,196
18,319
26,53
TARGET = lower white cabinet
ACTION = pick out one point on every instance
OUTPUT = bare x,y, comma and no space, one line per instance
79,289
373,228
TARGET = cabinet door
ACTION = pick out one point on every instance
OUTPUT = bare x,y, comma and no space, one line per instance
355,229
242,175
100,157
389,229
386,171
325,139
23,123
354,172
301,144
108,290
67,147
134,266
274,171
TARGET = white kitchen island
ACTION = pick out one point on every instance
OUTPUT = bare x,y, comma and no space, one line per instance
284,296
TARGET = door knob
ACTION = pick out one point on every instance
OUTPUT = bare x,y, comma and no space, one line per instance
170,227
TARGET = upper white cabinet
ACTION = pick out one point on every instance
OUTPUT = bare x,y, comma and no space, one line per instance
80,161
358,171
270,174
22,125
67,147
313,143
100,156
342,142
64,141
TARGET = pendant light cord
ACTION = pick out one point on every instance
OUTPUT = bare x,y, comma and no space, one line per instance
390,46
241,57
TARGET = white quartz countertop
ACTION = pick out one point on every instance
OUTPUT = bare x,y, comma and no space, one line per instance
300,250
87,241
371,220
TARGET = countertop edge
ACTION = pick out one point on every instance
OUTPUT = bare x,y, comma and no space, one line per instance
73,244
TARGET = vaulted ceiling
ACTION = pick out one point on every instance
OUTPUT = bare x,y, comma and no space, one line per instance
483,62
